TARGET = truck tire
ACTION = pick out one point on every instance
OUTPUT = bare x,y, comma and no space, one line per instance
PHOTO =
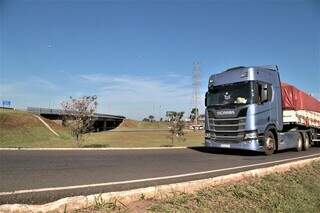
269,143
299,142
306,141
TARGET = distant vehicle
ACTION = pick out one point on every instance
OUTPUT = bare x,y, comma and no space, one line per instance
196,127
249,108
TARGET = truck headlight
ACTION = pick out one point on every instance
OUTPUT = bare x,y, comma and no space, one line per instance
207,135
210,135
251,135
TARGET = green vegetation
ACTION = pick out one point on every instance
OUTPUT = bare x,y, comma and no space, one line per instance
22,129
295,191
176,125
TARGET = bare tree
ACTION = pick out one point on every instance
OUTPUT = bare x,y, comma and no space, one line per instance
79,115
176,125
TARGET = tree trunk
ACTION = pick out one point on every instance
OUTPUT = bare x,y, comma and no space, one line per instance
77,140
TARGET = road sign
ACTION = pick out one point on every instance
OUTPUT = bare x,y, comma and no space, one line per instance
6,103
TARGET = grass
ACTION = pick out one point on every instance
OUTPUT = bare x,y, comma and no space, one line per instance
143,139
21,129
295,191
134,124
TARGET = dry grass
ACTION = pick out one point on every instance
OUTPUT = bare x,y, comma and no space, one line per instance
21,129
144,139
134,124
294,191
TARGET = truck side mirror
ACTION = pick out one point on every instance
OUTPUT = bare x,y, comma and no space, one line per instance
205,100
264,93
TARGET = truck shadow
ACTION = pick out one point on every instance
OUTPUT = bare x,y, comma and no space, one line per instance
226,151
236,151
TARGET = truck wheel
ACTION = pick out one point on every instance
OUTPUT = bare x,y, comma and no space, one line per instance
306,141
300,143
269,143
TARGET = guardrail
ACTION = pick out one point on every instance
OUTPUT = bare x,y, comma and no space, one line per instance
47,111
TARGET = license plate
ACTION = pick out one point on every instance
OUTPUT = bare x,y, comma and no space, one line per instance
223,145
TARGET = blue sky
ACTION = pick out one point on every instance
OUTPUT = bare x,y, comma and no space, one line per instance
137,56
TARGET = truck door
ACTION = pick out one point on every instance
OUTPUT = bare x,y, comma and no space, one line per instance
264,111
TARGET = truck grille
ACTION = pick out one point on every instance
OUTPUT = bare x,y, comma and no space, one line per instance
229,130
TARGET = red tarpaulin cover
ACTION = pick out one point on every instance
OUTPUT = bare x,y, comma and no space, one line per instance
295,99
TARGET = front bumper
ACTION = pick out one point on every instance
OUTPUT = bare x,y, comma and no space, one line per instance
252,145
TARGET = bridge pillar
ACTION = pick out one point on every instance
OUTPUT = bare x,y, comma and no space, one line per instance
104,125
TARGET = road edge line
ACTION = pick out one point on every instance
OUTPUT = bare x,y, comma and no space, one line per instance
80,202
94,149
268,163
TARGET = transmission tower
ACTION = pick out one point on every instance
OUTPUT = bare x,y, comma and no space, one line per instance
196,88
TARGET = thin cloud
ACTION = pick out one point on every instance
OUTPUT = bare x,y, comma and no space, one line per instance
32,83
129,95
137,96
33,91
43,83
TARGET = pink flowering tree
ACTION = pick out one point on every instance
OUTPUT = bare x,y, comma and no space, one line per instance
79,116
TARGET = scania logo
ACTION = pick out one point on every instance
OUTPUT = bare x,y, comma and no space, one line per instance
226,96
226,112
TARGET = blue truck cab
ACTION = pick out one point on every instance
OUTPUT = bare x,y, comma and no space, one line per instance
244,111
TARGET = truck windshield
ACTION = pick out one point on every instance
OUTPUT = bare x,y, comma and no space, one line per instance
231,94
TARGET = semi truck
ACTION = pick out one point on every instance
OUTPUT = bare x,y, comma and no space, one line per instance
249,108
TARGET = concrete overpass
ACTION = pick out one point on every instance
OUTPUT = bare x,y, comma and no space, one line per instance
102,121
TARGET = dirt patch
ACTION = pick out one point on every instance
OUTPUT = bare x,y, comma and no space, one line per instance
134,124
129,123
140,206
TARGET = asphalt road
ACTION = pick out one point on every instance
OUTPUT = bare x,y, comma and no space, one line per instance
42,176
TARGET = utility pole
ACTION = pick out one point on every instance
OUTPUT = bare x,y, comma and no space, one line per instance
196,89
159,112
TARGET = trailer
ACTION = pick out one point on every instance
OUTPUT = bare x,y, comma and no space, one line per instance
301,110
249,108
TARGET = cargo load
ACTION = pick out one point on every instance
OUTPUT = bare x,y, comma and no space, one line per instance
295,99
299,107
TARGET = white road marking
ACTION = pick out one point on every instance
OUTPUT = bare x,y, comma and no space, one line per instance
152,179
92,149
